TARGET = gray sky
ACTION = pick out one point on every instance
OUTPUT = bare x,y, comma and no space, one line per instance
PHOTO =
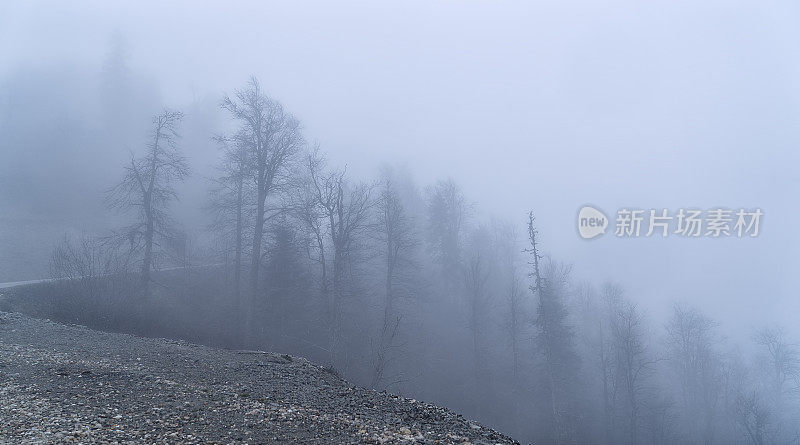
530,105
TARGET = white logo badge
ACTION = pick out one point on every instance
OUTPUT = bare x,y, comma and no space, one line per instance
591,222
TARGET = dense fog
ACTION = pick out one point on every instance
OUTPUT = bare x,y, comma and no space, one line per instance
392,191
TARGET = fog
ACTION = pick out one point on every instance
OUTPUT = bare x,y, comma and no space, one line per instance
528,106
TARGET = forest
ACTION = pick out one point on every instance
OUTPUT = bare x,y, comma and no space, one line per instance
399,287
390,192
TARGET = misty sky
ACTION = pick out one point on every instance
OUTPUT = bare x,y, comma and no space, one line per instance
529,105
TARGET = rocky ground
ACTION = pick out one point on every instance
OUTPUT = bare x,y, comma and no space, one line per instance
61,384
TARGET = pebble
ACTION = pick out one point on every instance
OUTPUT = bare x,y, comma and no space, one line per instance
68,383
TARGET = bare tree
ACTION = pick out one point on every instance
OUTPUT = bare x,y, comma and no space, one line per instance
397,240
783,359
84,261
554,340
658,421
346,210
598,342
475,277
506,250
229,198
633,363
516,317
272,137
752,416
691,340
87,265
308,209
383,356
148,187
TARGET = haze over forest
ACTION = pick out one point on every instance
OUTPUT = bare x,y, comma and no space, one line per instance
503,108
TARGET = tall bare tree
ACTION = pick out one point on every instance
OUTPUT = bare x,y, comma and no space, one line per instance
506,250
309,212
690,336
516,317
148,187
783,370
597,340
273,138
633,363
554,340
346,210
397,240
753,417
476,299
229,198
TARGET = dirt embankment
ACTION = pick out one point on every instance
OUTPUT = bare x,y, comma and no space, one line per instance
71,384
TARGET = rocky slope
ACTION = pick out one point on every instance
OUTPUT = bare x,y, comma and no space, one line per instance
71,384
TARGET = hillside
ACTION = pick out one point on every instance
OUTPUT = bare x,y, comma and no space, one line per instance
63,383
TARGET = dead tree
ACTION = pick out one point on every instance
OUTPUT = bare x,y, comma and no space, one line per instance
148,188
554,340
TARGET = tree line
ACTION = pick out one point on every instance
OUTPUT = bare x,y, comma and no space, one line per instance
402,288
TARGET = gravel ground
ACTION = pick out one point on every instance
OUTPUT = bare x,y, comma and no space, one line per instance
70,384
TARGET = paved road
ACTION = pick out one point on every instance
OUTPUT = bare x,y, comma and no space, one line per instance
22,283
45,280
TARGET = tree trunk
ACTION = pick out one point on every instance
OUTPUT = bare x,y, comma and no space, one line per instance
255,266
387,308
237,261
147,261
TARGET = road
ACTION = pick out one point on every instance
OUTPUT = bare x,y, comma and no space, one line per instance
22,283
46,280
